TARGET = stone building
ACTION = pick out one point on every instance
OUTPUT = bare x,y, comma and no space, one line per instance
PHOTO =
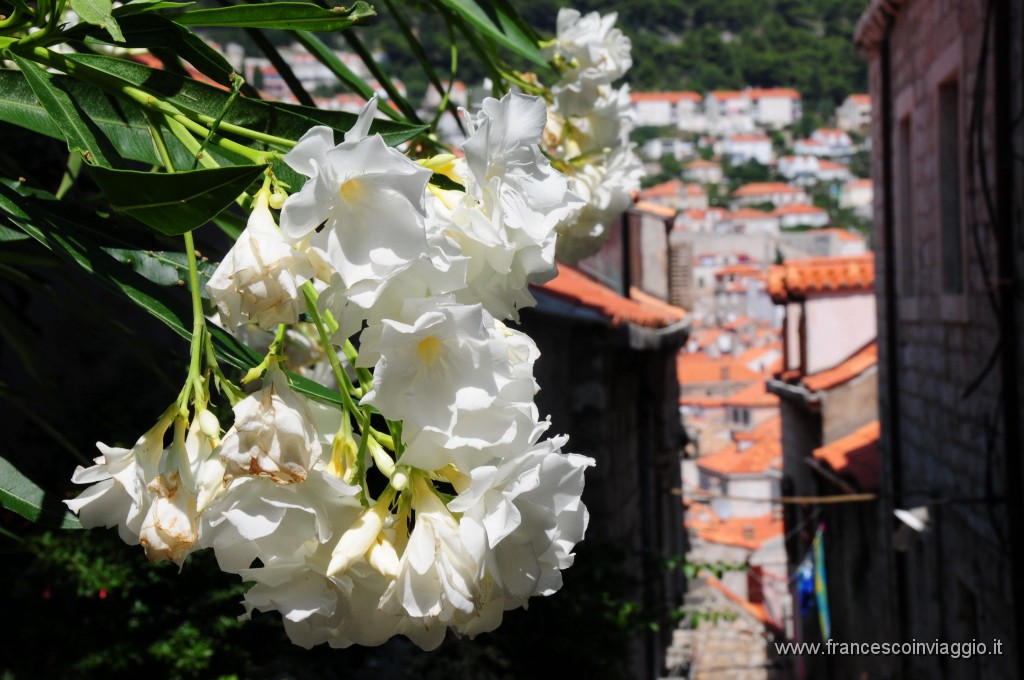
946,86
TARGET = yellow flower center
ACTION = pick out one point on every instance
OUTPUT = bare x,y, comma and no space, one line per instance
429,349
350,190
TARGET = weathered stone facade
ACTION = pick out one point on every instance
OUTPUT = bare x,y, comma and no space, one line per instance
946,84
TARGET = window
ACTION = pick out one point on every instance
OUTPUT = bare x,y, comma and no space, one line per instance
950,188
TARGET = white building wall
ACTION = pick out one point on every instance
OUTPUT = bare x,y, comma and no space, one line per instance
838,324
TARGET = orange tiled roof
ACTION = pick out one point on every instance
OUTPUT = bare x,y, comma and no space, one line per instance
758,611
756,459
787,92
862,99
755,394
844,372
699,368
706,336
757,188
832,131
726,94
751,214
745,532
860,183
825,164
701,163
655,209
700,515
855,456
671,97
769,429
573,285
799,209
820,274
749,137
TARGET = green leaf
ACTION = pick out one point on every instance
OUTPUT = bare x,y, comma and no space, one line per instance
153,31
98,12
174,203
161,267
65,112
282,120
151,6
21,495
122,125
496,23
281,15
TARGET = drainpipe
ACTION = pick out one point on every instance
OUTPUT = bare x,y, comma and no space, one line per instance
891,340
1003,58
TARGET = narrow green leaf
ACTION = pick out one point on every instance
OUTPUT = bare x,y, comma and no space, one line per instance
65,112
8,234
162,268
174,203
281,15
514,39
98,12
275,118
151,6
154,31
121,124
20,494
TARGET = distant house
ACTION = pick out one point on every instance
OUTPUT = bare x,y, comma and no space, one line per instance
676,194
743,147
682,110
753,221
702,171
858,195
777,193
854,113
801,215
728,112
775,107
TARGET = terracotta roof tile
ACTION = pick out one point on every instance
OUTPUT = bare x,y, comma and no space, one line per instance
787,92
861,99
799,209
573,285
726,94
745,532
737,270
671,97
699,368
844,372
751,214
749,137
758,458
769,429
757,188
670,188
700,163
855,456
758,611
820,274
656,209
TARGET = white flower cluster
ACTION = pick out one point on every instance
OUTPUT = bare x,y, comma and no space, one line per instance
477,512
587,133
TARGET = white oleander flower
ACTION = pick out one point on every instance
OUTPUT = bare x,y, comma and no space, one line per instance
437,574
274,434
607,189
590,45
368,196
527,515
258,281
429,368
117,495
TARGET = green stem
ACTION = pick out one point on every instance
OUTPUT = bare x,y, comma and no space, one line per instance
193,383
345,387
